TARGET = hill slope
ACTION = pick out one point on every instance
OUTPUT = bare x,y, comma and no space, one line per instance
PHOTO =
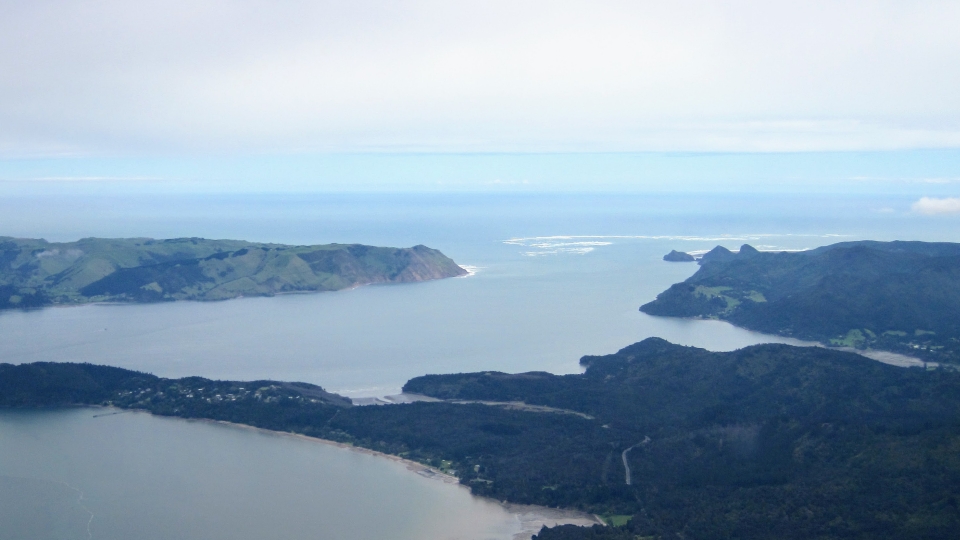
897,296
770,441
36,272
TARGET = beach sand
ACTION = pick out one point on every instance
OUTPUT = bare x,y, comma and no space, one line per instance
531,518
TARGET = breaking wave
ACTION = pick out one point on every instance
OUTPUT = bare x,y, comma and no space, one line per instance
583,244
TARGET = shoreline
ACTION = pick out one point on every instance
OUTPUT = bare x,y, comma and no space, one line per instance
470,271
877,355
530,518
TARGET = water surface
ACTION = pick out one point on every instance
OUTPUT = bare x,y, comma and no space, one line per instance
537,302
133,475
559,277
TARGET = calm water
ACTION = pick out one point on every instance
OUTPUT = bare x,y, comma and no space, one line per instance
528,313
534,304
146,477
558,277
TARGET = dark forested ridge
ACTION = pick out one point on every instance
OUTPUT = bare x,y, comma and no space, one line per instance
897,296
268,404
35,273
771,441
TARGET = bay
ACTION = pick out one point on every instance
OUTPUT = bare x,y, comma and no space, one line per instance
537,302
133,475
557,277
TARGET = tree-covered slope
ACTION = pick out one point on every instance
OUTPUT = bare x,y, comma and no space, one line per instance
897,296
770,441
268,404
36,272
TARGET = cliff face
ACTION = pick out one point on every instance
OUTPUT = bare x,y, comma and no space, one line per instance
424,264
36,273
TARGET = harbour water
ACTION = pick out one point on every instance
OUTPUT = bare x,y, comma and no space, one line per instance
557,277
85,473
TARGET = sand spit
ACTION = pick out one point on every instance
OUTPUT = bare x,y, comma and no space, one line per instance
509,405
533,518
892,358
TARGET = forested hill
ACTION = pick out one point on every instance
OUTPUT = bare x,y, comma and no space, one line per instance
50,384
897,296
768,442
771,441
36,272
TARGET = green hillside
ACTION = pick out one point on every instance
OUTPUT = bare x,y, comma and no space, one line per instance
36,272
768,442
897,296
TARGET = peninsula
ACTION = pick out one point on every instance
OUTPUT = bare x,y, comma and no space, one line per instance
902,297
36,273
662,441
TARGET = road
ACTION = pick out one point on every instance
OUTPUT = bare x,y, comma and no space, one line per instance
623,456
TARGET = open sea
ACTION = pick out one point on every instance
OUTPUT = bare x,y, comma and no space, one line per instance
554,277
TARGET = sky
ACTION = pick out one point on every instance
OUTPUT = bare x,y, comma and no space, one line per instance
221,91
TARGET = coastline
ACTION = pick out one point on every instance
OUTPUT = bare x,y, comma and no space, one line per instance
530,518
469,272
887,357
877,355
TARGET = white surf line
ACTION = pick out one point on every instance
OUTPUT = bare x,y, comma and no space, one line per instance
714,238
623,456
81,505
583,244
471,270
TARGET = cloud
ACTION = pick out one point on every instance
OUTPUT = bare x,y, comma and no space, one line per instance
906,180
934,206
288,76
82,179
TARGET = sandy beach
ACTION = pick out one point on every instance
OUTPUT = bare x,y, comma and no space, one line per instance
530,518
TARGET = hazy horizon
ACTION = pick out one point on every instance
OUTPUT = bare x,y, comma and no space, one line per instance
422,96
255,77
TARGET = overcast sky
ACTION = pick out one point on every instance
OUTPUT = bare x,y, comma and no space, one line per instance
193,77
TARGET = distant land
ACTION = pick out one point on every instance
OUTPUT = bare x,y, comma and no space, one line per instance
662,441
36,273
902,297
678,256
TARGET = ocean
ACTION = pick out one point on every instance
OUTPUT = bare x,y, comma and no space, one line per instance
553,278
